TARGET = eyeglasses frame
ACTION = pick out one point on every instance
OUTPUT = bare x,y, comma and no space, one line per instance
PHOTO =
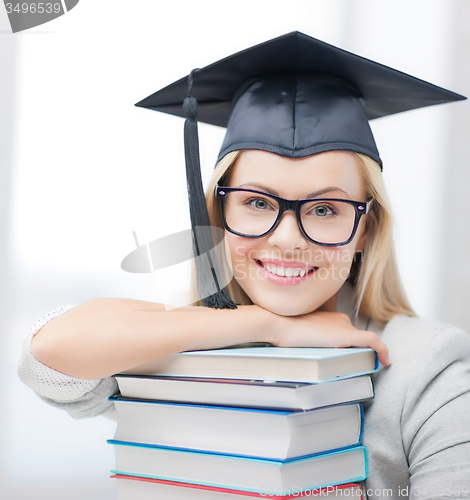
285,205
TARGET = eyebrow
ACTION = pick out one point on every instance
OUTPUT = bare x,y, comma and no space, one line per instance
314,194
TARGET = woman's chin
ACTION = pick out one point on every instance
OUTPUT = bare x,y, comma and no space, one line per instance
293,304
286,308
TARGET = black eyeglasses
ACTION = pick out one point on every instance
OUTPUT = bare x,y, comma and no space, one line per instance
329,222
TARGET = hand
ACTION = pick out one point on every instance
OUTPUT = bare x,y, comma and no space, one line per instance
325,329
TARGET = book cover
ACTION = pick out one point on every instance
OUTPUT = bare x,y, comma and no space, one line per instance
245,393
255,432
245,474
296,364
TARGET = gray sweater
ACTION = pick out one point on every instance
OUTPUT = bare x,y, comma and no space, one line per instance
417,428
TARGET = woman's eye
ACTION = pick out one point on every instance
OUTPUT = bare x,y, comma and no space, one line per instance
322,211
260,204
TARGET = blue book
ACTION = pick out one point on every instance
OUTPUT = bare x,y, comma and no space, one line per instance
295,364
245,432
242,474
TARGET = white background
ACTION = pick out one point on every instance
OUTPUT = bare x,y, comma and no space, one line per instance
88,168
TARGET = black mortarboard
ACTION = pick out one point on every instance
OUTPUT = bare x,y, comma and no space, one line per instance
294,96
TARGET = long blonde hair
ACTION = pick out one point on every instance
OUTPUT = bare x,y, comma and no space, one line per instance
379,293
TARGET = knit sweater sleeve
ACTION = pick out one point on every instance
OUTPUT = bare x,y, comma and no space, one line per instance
417,428
80,397
436,422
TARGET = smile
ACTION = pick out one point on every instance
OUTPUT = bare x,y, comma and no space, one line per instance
283,273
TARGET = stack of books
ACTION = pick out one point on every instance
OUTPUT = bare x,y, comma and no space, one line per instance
251,422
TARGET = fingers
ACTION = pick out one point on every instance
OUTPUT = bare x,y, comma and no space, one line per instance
335,324
327,329
361,338
357,338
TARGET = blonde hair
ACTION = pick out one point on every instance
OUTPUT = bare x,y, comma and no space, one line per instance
379,294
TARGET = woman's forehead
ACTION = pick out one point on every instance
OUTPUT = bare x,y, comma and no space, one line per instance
299,178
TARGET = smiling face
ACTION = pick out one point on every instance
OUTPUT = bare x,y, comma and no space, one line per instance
283,272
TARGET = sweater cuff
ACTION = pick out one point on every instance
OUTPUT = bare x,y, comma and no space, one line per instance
44,380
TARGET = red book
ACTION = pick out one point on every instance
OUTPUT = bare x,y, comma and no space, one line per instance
132,487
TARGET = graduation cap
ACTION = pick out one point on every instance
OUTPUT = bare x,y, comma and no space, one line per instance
294,96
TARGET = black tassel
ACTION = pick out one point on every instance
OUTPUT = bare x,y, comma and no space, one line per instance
202,238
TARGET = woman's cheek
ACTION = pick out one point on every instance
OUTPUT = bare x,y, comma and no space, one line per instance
240,250
339,257
239,272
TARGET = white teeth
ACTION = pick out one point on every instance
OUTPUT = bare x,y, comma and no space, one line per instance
280,271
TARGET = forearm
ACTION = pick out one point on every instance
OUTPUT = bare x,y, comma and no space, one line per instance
105,336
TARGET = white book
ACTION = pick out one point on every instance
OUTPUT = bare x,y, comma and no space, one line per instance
133,488
255,432
246,393
247,474
295,364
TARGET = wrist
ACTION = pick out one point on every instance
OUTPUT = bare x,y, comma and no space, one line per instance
262,324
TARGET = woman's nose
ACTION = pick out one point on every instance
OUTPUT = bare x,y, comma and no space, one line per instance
287,234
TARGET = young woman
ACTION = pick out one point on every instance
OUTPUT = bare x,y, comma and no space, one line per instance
299,192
